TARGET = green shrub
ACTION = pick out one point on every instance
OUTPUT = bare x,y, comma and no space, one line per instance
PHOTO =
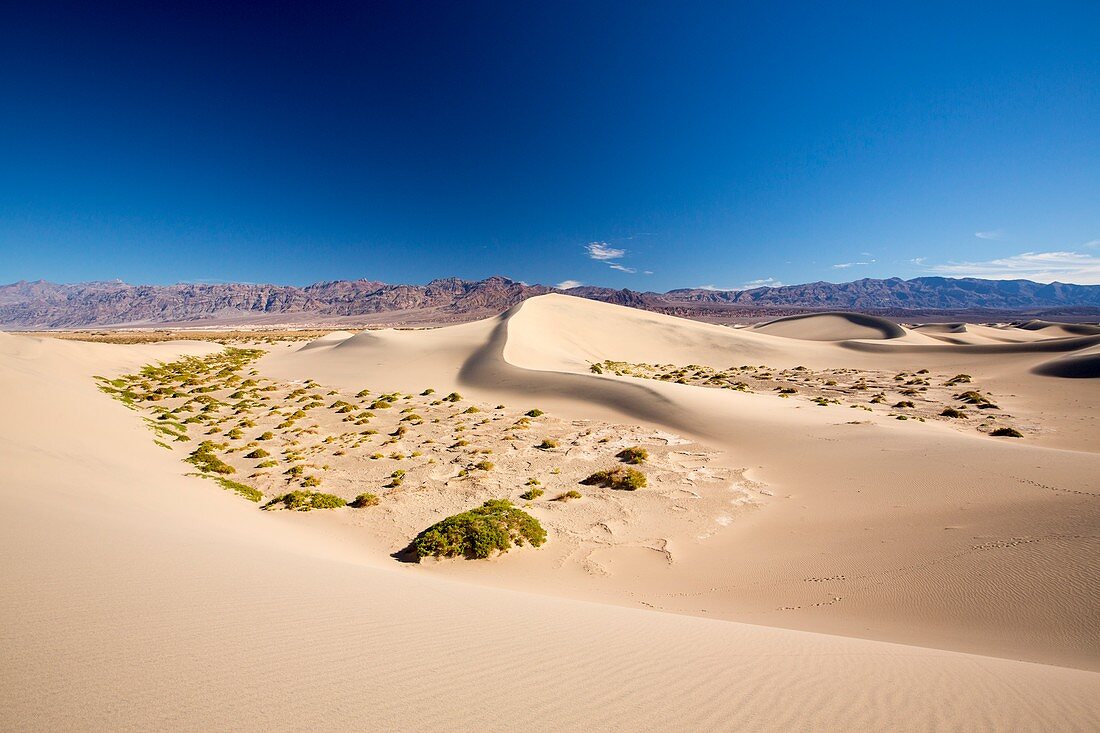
634,454
258,453
494,526
483,466
531,494
952,412
619,478
266,435
311,481
534,413
206,461
303,501
1007,433
904,403
452,397
568,495
248,492
547,443
363,501
267,464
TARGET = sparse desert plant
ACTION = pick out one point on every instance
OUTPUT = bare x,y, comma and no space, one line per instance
568,495
547,443
267,464
903,403
452,397
258,453
1007,433
248,492
952,412
493,527
428,391
303,501
207,461
483,466
311,481
266,435
619,478
363,501
534,413
634,454
958,379
532,494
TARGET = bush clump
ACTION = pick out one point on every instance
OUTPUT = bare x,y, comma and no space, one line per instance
303,501
532,494
952,412
258,453
568,495
363,501
206,461
1007,433
634,454
620,478
547,444
494,526
534,413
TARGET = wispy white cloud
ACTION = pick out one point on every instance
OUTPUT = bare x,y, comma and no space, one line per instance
603,251
567,284
1070,267
647,272
1092,245
846,265
764,282
994,234
621,268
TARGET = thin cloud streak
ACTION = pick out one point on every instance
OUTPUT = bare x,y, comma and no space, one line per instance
1045,267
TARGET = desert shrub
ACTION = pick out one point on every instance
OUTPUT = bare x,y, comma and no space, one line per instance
568,495
207,461
619,478
596,369
452,397
952,412
311,481
634,454
267,464
364,500
303,501
958,379
547,444
1007,433
428,391
531,494
903,403
483,466
534,413
975,398
266,435
494,526
248,492
258,453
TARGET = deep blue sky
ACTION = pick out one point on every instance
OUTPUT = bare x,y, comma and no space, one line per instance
712,144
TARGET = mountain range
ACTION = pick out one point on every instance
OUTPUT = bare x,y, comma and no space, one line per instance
44,305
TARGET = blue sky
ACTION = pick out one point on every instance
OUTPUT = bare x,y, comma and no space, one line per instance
640,145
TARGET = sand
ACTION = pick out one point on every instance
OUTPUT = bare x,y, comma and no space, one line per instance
828,568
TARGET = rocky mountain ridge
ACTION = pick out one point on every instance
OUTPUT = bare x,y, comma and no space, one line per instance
44,305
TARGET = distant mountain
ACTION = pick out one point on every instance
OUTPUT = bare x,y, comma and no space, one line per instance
29,305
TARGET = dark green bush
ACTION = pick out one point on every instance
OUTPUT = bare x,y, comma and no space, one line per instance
534,413
494,526
258,453
206,461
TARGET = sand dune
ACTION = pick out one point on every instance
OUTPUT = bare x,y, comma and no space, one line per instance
148,599
832,327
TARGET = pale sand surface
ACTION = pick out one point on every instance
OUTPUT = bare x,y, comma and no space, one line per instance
139,598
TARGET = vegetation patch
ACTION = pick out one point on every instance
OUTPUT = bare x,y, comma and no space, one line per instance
303,500
620,478
634,454
475,534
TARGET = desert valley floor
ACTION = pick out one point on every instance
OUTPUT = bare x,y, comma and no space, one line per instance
846,524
